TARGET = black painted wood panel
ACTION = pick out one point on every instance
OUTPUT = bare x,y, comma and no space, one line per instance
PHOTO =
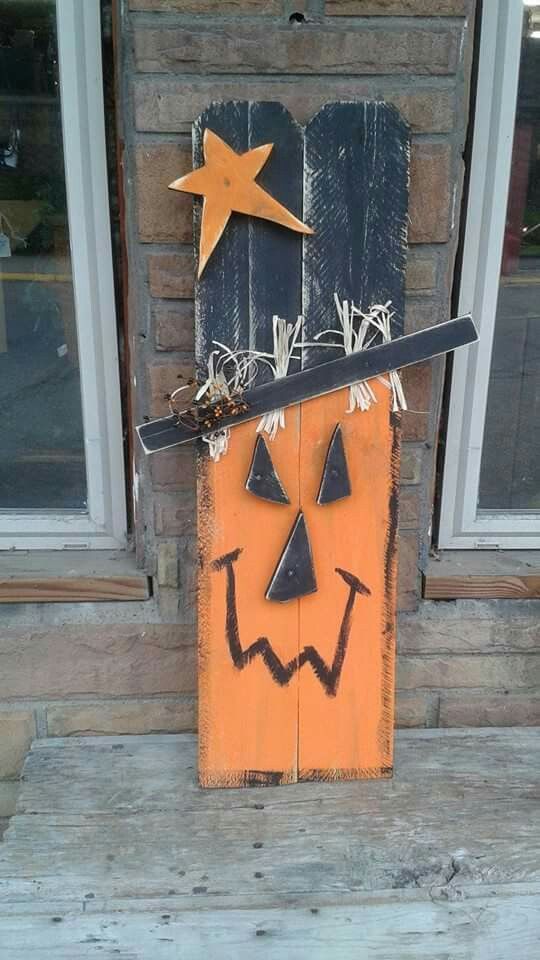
222,293
356,199
275,253
255,270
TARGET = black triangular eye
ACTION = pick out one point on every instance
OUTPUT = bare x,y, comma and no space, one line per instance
263,480
335,482
294,575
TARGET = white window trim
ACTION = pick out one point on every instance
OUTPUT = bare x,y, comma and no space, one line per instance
461,527
81,87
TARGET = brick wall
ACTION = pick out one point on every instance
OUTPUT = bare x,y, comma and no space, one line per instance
178,55
174,64
130,667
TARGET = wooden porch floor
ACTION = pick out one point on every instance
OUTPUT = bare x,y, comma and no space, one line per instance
114,853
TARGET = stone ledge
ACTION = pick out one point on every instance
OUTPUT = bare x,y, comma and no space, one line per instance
208,47
395,8
97,661
170,105
212,7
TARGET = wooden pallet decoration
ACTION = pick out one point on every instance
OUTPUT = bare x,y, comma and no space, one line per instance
298,531
272,719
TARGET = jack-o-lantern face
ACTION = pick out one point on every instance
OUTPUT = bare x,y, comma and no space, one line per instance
296,596
294,576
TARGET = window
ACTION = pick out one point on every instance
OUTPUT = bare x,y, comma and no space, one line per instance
61,460
491,484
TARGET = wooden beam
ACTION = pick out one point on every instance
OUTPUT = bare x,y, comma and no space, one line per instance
247,721
320,380
56,590
484,575
55,577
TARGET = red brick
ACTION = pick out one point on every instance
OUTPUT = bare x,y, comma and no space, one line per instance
164,378
412,710
411,464
112,718
420,314
499,709
268,7
417,386
163,215
171,275
167,565
205,47
409,508
512,671
446,628
189,565
17,730
396,8
171,105
431,193
174,326
174,468
408,574
104,660
421,275
175,515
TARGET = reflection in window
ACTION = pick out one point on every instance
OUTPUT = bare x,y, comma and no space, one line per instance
510,472
42,464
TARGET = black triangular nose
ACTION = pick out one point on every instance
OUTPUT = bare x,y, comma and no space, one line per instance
262,479
335,483
294,575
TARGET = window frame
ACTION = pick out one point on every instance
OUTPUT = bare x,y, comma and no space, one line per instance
461,526
103,526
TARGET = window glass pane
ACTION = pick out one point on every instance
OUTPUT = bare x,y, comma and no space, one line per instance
42,464
510,471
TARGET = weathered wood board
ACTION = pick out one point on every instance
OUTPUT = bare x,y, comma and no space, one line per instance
248,723
476,927
494,574
49,576
114,852
303,689
356,191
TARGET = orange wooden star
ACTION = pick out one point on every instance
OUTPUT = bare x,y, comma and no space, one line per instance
227,182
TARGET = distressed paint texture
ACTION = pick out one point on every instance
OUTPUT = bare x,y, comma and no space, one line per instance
79,642
303,689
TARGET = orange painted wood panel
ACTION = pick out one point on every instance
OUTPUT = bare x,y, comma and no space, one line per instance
298,730
227,183
244,714
349,735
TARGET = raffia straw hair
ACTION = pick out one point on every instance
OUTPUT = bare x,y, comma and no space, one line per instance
285,340
230,372
357,331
